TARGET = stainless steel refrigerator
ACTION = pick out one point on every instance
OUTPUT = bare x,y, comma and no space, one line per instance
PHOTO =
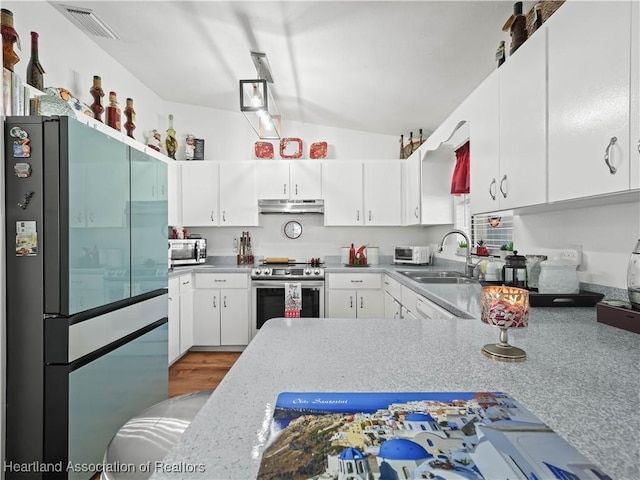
86,318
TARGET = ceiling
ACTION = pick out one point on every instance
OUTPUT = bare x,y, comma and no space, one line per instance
379,66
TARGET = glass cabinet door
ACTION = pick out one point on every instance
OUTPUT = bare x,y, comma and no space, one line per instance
149,229
99,240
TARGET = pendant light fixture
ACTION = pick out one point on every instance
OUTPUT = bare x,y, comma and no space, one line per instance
256,100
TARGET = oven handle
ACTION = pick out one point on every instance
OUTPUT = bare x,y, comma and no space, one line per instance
280,284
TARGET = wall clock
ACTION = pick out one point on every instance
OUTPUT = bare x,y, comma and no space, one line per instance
292,229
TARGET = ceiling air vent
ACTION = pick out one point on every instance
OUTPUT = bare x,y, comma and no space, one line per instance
88,21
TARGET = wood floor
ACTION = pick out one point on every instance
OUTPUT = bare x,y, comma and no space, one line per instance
199,371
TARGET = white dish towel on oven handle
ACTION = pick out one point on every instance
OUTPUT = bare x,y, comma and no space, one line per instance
292,300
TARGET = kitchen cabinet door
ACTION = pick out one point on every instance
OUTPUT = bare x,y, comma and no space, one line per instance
206,324
523,116
484,145
412,187
589,99
186,316
392,307
305,179
370,304
342,192
634,148
274,179
238,199
382,193
341,303
200,182
234,317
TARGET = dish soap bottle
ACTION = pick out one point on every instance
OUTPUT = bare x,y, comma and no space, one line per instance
633,277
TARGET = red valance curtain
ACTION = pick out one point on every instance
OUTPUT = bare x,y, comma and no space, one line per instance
461,179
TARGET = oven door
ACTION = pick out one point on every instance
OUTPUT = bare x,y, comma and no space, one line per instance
268,301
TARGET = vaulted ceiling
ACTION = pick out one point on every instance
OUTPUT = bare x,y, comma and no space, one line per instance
380,66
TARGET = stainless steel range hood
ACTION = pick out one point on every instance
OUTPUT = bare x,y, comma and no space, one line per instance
267,206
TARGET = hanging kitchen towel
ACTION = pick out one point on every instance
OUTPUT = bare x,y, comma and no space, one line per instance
292,300
461,180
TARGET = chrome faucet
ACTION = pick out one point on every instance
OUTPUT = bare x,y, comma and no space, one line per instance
469,266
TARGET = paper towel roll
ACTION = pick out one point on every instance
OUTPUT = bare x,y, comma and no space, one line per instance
373,255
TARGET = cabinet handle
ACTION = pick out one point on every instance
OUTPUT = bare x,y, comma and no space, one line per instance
357,214
350,301
224,215
218,280
224,302
212,215
361,302
357,281
503,192
612,142
186,283
214,302
284,190
296,189
369,215
415,212
493,194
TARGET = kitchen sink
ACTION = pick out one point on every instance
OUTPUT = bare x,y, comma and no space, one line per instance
434,276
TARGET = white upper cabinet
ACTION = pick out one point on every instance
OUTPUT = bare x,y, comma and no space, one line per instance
218,194
589,99
635,96
412,188
484,146
289,179
238,200
508,132
382,192
342,192
200,194
523,137
362,193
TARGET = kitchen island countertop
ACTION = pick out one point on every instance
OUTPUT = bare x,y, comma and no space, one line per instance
580,377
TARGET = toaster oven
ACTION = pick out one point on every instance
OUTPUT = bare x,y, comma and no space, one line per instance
412,254
187,251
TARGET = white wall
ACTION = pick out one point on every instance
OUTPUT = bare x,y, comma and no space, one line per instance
607,233
268,239
228,136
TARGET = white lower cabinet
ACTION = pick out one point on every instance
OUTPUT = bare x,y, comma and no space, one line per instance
221,310
180,315
392,307
354,295
427,309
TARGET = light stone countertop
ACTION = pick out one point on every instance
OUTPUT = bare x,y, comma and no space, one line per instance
581,378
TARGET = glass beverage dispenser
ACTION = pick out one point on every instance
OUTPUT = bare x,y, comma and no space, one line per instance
633,277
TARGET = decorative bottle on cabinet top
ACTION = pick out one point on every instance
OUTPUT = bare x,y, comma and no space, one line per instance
130,114
113,112
171,143
9,37
35,72
518,28
97,93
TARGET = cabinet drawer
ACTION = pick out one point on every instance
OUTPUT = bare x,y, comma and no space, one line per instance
355,280
427,309
409,299
393,287
186,283
222,280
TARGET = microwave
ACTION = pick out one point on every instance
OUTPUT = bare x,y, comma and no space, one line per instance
187,251
413,255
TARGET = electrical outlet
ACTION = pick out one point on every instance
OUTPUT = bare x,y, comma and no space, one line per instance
235,244
572,254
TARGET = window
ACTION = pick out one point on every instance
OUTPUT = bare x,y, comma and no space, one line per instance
494,229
